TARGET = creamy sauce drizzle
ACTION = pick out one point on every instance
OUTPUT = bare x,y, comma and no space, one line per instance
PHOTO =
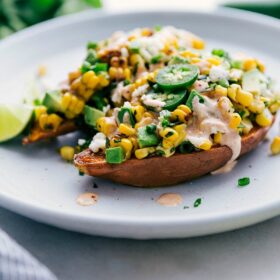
170,199
87,199
226,168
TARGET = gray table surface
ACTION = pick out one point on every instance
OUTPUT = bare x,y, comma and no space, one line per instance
253,252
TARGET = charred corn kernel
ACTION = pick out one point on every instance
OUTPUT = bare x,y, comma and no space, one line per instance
42,70
189,54
256,106
264,119
73,103
243,97
166,48
103,80
127,74
166,143
198,44
235,121
75,84
260,65
115,61
74,75
43,119
126,129
249,64
39,110
169,134
67,153
221,91
275,146
105,126
146,32
90,79
142,153
138,112
178,114
184,108
214,60
54,121
166,152
246,126
206,145
232,91
218,137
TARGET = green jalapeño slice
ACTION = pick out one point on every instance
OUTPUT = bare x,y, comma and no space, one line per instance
177,76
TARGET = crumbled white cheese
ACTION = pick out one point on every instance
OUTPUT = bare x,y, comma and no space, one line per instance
155,103
217,73
117,93
235,74
200,86
124,52
140,91
81,142
127,104
98,142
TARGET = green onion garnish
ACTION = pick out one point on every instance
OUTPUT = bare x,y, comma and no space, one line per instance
243,181
197,202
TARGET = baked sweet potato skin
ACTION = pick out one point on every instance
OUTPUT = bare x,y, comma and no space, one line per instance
37,134
160,171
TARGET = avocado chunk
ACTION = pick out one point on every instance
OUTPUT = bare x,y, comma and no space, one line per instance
192,95
254,81
52,101
115,155
147,136
91,115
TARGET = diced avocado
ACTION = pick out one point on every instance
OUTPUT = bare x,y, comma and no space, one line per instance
146,137
52,101
91,115
253,81
115,155
192,95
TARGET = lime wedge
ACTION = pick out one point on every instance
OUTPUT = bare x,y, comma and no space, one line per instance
13,119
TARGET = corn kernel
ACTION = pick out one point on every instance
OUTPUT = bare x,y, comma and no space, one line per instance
198,44
206,145
243,97
67,153
264,119
189,54
273,108
214,60
138,112
232,91
142,153
65,102
184,108
127,146
178,114
218,138
169,134
103,81
166,143
249,64
54,121
235,121
247,126
126,129
275,146
105,126
43,119
127,74
135,59
221,91
260,65
256,106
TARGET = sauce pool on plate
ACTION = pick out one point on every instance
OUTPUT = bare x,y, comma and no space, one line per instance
169,199
87,199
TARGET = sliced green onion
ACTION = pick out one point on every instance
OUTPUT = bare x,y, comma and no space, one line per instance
243,181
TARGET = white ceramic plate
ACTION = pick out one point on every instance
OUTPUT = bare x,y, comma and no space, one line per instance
36,183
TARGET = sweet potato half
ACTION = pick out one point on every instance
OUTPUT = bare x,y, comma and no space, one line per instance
160,171
37,134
